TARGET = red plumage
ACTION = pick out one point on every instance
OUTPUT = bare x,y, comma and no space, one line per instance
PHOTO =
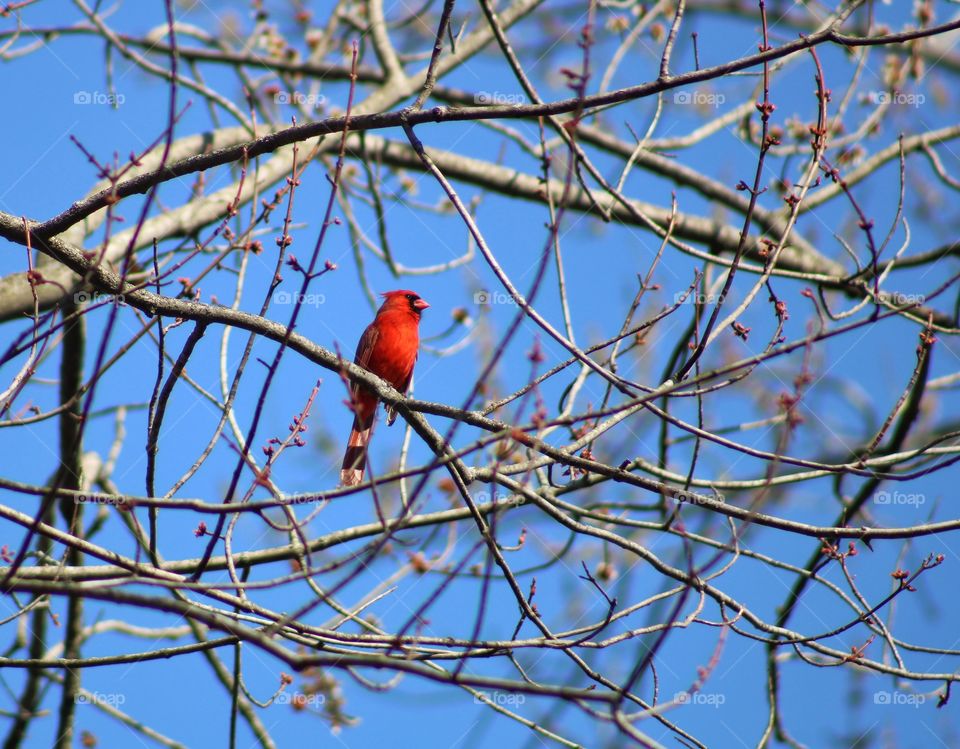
388,348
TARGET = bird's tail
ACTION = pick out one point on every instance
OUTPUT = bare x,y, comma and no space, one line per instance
355,457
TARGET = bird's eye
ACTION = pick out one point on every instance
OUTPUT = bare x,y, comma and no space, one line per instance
412,297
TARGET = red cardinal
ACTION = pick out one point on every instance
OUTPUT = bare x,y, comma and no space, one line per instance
388,348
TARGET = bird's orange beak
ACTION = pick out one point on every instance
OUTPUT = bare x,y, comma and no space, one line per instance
420,304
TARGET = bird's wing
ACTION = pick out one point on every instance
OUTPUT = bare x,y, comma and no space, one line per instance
404,388
365,347
368,342
405,385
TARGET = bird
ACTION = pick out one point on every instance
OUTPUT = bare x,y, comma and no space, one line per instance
388,348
